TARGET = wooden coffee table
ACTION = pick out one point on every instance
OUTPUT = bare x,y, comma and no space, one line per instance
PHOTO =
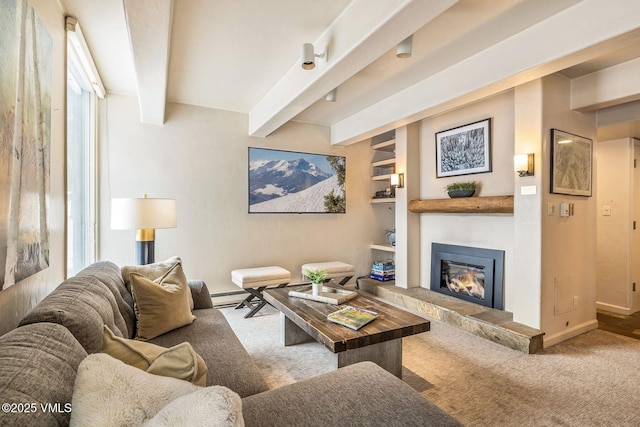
380,341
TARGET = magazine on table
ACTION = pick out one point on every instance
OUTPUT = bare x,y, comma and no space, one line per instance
352,317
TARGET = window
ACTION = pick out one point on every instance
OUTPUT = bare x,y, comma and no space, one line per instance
82,84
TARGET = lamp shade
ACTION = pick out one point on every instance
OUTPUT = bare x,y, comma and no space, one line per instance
134,214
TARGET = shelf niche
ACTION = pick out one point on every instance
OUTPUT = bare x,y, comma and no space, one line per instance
482,205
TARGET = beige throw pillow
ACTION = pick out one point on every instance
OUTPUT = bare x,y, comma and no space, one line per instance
180,361
161,305
151,272
108,393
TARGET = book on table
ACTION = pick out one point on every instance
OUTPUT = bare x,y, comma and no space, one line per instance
352,317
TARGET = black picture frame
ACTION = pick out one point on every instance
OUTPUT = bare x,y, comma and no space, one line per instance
464,150
571,164
282,181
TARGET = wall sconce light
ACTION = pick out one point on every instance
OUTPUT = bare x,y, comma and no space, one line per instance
524,164
309,56
332,96
404,48
397,180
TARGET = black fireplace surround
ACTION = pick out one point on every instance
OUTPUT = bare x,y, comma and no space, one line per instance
472,274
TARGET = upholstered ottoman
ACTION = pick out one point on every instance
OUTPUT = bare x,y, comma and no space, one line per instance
255,281
334,269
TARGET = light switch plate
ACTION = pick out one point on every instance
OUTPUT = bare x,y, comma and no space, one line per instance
606,210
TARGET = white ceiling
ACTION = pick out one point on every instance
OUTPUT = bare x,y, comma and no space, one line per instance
236,54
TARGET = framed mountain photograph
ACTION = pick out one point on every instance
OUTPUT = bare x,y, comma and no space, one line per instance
294,182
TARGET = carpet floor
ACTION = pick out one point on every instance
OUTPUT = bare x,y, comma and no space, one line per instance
590,380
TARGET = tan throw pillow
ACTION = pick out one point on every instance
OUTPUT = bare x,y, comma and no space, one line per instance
151,272
180,361
108,392
161,305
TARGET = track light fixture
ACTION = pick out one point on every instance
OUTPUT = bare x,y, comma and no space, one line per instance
403,50
309,56
332,96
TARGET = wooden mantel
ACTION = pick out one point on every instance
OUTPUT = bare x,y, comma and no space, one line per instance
494,204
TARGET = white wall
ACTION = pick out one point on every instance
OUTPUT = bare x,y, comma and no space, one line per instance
199,157
18,299
568,243
493,231
615,166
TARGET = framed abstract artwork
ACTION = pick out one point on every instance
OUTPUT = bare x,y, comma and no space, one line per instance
571,164
464,150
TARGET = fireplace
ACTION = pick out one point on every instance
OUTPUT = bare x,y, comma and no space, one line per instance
472,274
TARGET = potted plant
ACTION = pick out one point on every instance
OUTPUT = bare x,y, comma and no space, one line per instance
317,278
461,189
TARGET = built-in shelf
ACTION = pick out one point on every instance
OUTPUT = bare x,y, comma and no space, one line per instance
494,204
385,248
386,177
382,163
389,145
384,200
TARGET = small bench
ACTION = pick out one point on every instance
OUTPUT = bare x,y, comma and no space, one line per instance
334,269
255,281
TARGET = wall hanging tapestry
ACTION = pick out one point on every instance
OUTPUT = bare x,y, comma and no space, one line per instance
25,136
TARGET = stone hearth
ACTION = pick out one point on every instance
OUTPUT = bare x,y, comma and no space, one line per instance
495,325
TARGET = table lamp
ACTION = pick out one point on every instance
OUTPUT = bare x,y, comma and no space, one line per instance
143,215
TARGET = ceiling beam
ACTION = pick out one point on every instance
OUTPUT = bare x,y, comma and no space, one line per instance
563,40
149,27
613,85
361,34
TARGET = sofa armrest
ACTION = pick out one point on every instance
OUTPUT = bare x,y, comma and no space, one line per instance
362,394
200,293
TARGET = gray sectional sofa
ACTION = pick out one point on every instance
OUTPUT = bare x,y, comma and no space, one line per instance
40,358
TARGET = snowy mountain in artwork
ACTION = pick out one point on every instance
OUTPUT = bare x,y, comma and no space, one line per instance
281,181
305,201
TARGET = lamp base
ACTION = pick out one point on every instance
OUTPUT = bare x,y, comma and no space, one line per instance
145,252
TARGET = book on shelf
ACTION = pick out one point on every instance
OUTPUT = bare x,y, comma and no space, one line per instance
352,317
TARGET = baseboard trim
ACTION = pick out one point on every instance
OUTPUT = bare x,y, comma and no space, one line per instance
554,339
613,308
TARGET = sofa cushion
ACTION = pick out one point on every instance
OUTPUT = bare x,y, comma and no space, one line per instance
180,361
83,305
161,305
152,271
362,394
227,361
108,274
38,365
108,392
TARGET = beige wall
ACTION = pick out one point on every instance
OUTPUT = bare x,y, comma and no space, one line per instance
568,243
615,179
493,231
199,157
18,299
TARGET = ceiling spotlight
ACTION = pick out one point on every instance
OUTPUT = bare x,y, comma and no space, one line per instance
308,56
404,47
332,96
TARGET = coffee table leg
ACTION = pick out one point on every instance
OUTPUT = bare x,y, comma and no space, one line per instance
292,334
387,355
